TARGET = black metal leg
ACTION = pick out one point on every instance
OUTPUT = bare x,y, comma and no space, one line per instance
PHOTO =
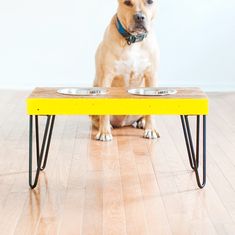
37,139
183,121
194,157
41,153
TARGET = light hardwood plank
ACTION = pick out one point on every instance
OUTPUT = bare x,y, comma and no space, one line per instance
136,222
71,216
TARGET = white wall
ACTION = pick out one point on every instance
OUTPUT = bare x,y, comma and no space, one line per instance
52,42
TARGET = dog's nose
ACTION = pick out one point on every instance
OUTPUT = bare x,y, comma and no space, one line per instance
139,17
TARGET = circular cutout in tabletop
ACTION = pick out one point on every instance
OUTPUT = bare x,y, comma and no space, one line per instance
83,91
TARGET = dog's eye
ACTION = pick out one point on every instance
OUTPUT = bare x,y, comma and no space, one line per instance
128,3
150,2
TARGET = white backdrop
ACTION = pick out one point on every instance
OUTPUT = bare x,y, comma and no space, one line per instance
53,42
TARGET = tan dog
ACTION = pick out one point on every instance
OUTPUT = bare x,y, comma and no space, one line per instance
128,57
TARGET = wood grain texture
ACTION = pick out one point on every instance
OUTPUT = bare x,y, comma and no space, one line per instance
128,186
117,92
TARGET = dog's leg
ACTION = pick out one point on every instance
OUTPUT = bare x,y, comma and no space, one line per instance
104,133
95,121
150,131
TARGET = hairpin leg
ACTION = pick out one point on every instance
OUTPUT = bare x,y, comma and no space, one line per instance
194,156
41,153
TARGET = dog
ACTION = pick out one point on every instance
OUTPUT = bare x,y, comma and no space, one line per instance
128,57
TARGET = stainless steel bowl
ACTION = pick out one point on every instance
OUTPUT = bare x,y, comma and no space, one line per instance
83,91
152,92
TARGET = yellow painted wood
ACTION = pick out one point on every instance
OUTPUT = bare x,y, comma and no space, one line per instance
114,106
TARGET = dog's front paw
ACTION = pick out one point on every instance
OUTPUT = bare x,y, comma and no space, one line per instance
151,134
105,137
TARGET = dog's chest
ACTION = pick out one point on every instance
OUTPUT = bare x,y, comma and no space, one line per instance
133,61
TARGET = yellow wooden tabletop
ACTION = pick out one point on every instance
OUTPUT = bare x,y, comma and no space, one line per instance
187,101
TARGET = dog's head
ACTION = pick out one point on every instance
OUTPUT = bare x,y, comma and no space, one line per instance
137,15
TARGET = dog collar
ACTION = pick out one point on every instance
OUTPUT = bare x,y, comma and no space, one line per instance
130,38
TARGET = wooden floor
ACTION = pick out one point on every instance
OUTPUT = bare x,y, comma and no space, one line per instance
128,186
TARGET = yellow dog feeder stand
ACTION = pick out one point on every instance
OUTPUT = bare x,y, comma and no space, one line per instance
117,101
